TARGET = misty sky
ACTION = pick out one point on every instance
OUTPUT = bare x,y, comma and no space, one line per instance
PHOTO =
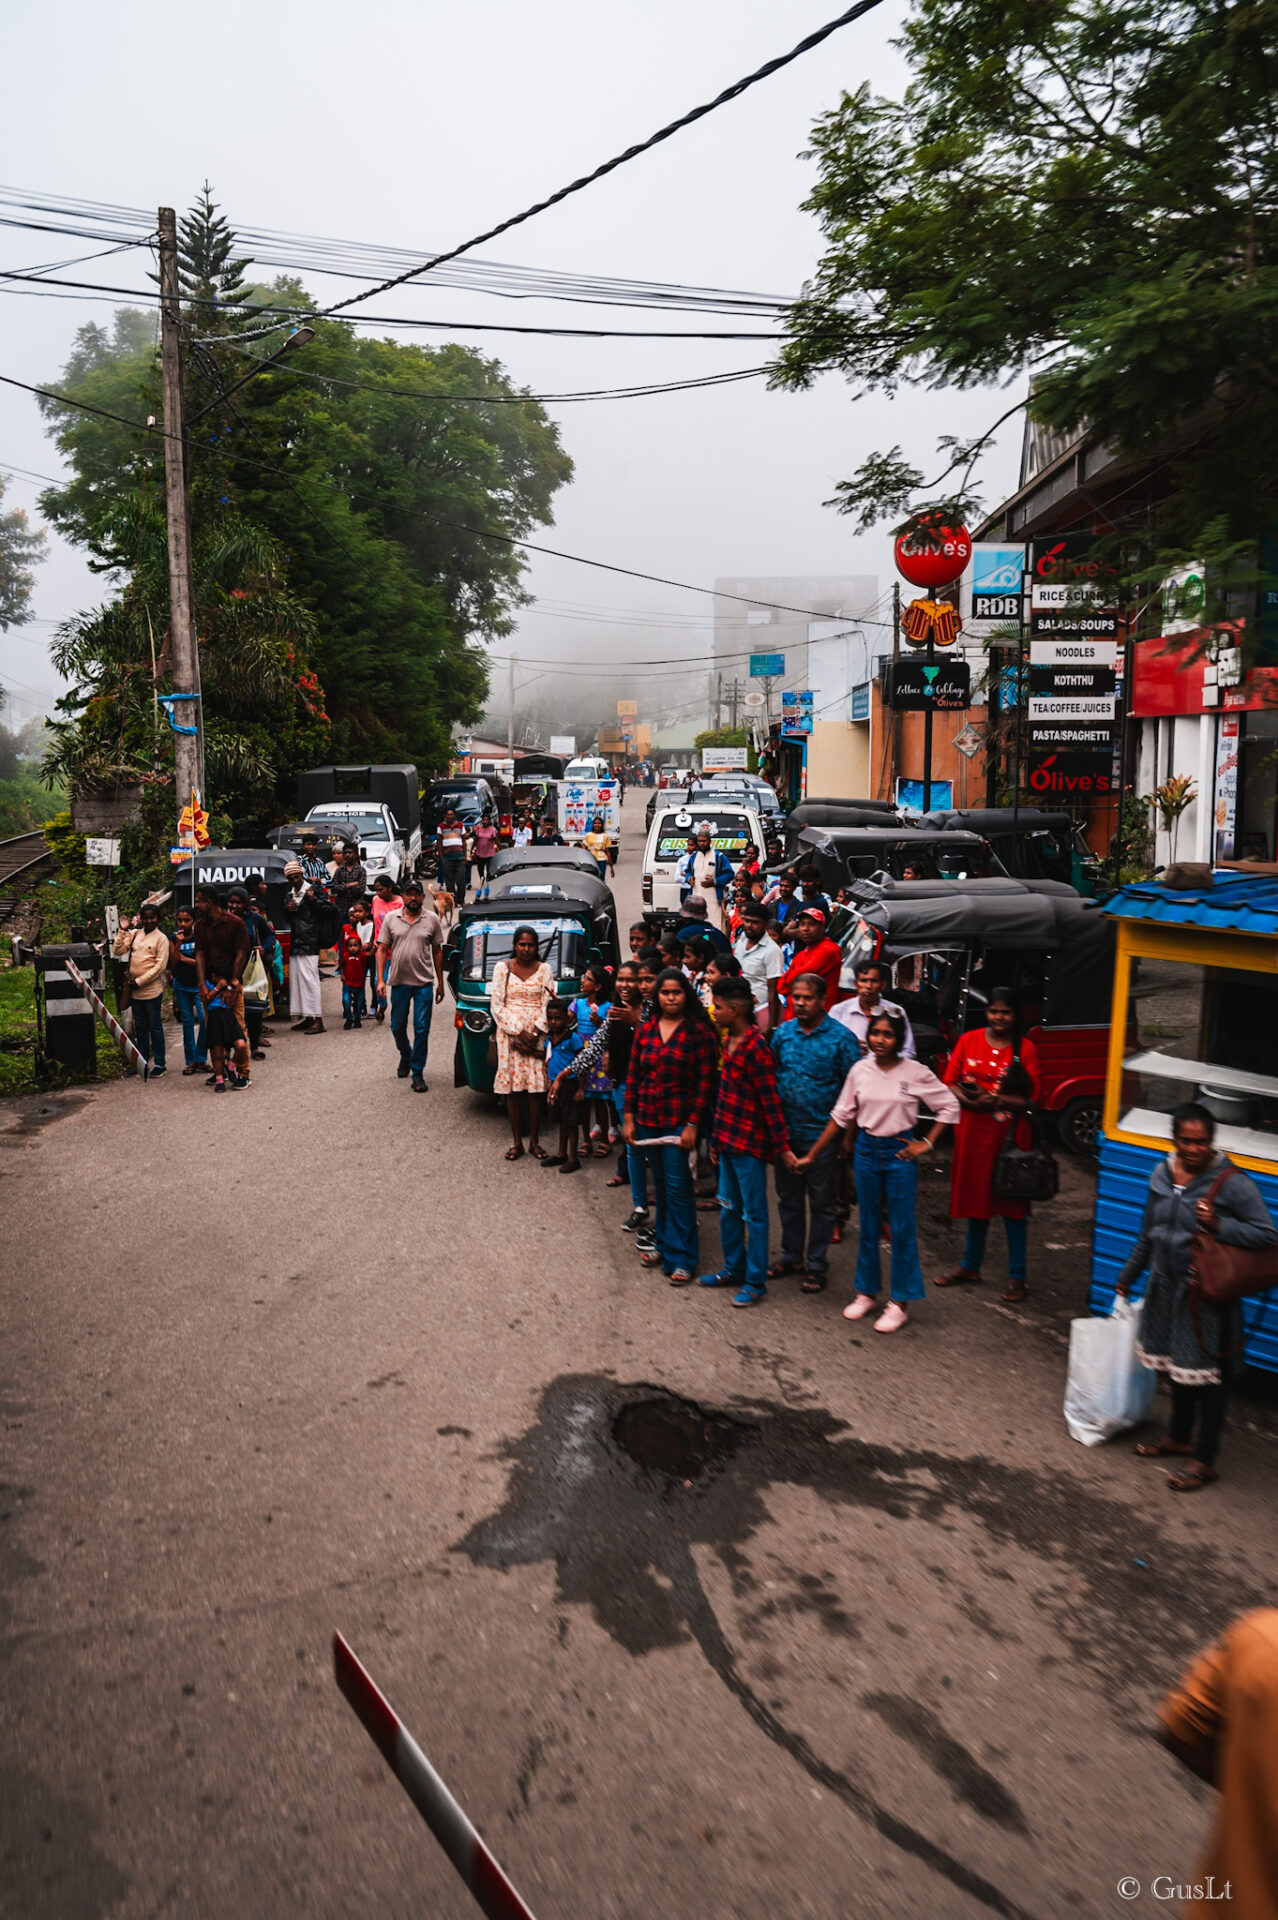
419,125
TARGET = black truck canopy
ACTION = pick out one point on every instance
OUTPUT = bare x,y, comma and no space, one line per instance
391,786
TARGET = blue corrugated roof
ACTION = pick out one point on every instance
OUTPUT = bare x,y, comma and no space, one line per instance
1247,903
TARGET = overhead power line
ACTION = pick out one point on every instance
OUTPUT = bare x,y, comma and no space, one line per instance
434,520
733,92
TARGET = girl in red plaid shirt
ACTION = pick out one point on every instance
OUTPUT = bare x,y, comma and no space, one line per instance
669,1097
749,1130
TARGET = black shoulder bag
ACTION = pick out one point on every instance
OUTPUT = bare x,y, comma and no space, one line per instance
1024,1173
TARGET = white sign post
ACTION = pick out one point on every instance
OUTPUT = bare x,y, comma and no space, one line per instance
102,853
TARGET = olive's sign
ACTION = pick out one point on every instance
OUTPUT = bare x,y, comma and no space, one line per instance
933,556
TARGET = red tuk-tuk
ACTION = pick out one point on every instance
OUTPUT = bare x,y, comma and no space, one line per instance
950,942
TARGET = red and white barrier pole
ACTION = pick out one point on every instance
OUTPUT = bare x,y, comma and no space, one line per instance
109,1021
492,1890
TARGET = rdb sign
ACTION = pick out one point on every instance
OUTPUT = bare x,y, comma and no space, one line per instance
1070,776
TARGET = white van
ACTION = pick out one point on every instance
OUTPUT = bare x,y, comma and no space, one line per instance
587,770
733,830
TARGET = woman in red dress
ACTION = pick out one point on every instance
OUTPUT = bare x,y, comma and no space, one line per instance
995,1079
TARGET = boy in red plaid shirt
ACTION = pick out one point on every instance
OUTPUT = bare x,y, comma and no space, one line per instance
749,1130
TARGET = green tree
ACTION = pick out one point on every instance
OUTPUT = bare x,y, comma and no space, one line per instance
1082,189
20,549
340,505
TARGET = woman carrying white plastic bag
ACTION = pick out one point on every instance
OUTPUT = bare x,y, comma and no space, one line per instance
1108,1387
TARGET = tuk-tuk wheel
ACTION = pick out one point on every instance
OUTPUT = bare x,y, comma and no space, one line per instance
1079,1126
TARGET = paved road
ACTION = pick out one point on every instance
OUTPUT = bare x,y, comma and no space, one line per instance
316,1357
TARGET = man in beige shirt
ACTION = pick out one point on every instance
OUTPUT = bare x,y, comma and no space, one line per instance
146,949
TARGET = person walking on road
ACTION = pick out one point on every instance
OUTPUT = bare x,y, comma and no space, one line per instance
598,844
547,834
669,1099
814,953
883,1095
303,910
705,871
187,1003
814,1056
450,845
146,948
1197,1345
355,959
995,1076
749,1130
484,846
521,989
410,955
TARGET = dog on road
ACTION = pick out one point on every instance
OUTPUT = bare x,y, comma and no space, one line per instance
445,906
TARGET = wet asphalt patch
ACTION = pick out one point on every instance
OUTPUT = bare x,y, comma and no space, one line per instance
618,1484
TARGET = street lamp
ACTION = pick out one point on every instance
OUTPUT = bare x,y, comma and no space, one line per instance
299,337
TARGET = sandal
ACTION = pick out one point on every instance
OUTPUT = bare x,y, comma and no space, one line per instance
619,1179
554,1159
959,1278
707,1206
1193,1479
650,1257
538,1152
814,1283
1015,1292
780,1268
515,1153
1154,1449
601,1149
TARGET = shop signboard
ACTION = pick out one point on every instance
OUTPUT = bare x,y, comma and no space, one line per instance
861,701
767,666
1072,591
995,584
1069,682
1085,707
627,707
725,759
796,711
563,745
1225,815
1070,776
1076,739
1073,653
943,686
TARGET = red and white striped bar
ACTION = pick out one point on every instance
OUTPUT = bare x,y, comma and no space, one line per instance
109,1021
492,1890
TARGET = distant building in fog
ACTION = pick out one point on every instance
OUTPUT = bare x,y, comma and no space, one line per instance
741,629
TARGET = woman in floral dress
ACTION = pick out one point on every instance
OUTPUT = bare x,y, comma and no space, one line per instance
520,990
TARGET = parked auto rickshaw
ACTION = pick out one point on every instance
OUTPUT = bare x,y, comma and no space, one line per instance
575,919
844,855
1195,1017
1031,845
509,859
951,942
222,868
332,835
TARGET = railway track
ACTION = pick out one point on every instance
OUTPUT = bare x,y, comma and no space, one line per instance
23,860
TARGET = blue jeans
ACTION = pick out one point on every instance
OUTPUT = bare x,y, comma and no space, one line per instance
189,1008
148,1028
1017,1246
353,1007
882,1179
636,1166
743,1218
674,1221
421,1000
818,1188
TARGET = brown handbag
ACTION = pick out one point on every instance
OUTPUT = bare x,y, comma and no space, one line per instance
1221,1275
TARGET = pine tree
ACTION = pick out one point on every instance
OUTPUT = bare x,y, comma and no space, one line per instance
211,279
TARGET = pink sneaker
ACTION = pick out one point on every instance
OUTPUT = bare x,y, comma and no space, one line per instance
891,1318
865,1303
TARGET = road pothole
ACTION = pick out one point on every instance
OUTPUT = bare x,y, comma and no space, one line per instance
676,1437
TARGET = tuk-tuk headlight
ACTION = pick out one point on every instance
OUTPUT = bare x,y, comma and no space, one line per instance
476,1022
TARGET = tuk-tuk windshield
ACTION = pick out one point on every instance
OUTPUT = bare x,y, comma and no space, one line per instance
562,944
729,833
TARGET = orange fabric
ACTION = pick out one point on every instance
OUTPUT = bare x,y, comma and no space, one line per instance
1228,1701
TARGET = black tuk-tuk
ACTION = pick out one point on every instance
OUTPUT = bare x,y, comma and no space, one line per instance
1032,845
844,855
951,943
332,835
509,859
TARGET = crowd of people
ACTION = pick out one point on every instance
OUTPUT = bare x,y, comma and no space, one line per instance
224,962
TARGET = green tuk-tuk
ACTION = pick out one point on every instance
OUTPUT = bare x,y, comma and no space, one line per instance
575,920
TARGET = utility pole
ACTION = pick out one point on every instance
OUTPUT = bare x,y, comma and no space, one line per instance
718,702
510,706
896,717
736,691
188,747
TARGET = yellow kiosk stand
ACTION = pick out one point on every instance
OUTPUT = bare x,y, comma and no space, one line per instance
1195,1017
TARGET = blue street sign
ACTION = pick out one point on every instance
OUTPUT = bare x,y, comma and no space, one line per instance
767,666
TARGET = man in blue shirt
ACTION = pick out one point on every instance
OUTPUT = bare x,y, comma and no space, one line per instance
814,1056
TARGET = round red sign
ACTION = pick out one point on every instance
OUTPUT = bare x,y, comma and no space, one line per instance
933,556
